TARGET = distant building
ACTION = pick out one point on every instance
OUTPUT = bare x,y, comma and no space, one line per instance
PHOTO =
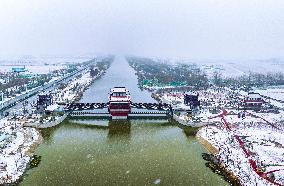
43,101
28,75
19,69
252,101
191,100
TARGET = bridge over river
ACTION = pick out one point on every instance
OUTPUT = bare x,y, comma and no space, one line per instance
138,110
138,152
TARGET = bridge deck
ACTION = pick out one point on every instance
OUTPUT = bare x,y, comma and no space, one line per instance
106,115
92,106
97,110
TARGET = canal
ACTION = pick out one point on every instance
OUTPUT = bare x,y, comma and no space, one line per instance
136,152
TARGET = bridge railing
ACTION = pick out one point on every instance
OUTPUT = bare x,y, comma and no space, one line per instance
92,106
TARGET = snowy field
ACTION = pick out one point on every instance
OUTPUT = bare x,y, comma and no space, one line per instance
273,95
250,148
233,68
229,68
40,64
34,69
40,60
274,92
236,68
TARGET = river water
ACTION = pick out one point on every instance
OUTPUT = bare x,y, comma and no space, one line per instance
136,152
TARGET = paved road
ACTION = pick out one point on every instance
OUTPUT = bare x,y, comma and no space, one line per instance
28,103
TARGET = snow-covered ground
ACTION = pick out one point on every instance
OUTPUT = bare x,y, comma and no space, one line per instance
41,60
275,92
73,89
234,68
16,140
40,64
231,67
251,147
34,69
273,95
246,142
16,144
211,100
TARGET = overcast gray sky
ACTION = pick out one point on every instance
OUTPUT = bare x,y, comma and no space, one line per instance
202,29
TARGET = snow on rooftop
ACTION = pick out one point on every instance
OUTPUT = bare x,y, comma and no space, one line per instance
254,95
119,89
54,107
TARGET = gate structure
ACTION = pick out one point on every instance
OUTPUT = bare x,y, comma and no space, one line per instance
100,110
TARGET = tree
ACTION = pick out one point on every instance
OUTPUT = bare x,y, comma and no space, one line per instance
217,78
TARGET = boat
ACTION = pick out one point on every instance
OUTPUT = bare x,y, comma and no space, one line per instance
119,103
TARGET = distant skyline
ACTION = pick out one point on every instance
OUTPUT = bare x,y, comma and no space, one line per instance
194,29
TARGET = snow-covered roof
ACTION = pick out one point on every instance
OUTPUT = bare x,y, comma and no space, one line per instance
119,89
254,95
54,107
191,93
126,98
44,93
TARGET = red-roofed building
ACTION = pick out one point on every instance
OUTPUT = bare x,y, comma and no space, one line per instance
252,101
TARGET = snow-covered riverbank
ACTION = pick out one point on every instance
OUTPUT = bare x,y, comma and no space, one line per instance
18,142
75,87
17,146
250,144
249,148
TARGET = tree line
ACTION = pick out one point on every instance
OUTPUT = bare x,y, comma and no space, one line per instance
165,74
247,81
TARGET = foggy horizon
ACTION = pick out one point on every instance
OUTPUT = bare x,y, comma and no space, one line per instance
185,29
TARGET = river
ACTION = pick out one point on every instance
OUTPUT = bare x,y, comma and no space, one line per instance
136,152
